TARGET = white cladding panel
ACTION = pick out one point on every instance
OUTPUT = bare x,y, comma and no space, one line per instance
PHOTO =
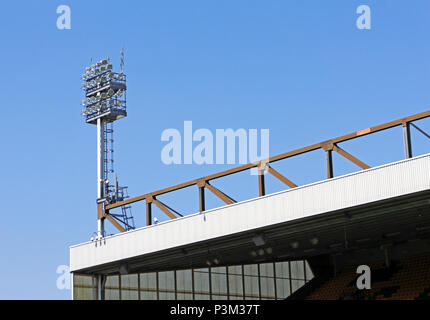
379,183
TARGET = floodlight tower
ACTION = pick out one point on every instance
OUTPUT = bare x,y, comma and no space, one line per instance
104,103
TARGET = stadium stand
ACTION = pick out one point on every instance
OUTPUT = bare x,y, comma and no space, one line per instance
407,279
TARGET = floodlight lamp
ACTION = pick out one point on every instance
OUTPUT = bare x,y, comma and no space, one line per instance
123,269
119,92
259,240
109,66
314,241
110,92
120,76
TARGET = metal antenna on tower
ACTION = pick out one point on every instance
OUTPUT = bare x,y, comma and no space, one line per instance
105,102
122,60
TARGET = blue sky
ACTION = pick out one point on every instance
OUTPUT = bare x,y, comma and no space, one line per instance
299,68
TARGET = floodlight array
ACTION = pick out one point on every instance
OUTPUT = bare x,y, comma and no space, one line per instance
104,92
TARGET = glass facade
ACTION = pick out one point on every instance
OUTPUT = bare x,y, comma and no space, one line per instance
265,281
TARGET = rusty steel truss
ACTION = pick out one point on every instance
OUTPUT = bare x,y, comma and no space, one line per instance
264,165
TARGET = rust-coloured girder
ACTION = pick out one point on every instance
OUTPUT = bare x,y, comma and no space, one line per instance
325,145
102,214
227,199
148,212
114,222
166,209
280,177
281,156
329,146
350,157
